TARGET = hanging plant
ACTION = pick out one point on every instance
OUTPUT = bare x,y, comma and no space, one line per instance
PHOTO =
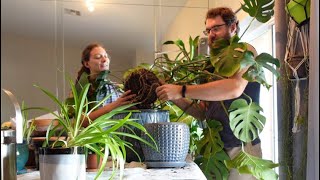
299,11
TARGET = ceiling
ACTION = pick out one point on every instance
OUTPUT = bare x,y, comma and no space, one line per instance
125,23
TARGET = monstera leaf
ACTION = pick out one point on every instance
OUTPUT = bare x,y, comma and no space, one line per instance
213,166
260,168
211,142
245,120
227,55
256,71
262,10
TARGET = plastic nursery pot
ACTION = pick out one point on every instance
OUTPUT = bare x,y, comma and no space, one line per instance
143,117
62,163
173,140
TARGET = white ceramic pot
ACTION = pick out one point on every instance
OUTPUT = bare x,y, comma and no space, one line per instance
62,163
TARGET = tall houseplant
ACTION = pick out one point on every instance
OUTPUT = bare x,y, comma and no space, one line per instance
102,131
227,57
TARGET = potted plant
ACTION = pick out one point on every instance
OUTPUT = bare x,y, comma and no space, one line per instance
66,155
143,83
22,149
172,137
227,57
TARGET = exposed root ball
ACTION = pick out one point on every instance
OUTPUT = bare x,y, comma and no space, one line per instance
143,83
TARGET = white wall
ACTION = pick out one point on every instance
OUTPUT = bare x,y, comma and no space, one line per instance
190,21
25,62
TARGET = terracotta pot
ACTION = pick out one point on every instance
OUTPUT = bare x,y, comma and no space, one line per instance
92,162
42,126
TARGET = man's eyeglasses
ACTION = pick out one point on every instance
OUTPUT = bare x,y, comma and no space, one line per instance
99,56
215,29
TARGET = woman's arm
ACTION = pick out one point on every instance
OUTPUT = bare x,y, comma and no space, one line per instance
125,98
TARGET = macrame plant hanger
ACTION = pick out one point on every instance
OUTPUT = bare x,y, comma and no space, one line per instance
296,33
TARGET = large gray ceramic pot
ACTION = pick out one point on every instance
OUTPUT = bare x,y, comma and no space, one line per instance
173,140
143,117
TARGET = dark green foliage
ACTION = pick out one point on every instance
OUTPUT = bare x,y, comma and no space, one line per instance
262,10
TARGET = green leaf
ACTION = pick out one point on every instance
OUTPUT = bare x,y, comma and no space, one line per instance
245,121
248,164
168,42
211,141
227,55
255,73
213,166
193,44
262,10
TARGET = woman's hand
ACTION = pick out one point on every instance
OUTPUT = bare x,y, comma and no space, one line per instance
125,98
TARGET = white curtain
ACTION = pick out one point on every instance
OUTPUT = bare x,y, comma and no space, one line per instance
313,106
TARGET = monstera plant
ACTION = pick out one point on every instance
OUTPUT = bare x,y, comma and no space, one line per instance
226,58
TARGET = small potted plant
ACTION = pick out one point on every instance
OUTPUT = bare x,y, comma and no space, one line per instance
22,149
65,157
143,83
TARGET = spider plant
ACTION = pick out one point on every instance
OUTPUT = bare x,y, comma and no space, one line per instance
100,132
27,128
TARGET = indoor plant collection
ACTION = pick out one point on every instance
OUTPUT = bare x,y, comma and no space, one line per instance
227,57
102,132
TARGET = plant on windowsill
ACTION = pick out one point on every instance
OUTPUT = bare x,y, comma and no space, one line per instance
226,58
71,149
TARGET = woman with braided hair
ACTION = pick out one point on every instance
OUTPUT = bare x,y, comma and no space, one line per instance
95,70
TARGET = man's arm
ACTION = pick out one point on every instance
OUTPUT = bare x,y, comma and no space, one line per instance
218,90
197,110
212,91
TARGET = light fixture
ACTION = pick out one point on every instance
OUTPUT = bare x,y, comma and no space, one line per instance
89,4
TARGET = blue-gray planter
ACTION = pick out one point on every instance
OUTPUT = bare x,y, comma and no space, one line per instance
172,139
143,117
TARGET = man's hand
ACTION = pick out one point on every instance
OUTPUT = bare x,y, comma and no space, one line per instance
169,92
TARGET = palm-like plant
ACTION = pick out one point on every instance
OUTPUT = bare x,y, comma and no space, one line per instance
100,132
